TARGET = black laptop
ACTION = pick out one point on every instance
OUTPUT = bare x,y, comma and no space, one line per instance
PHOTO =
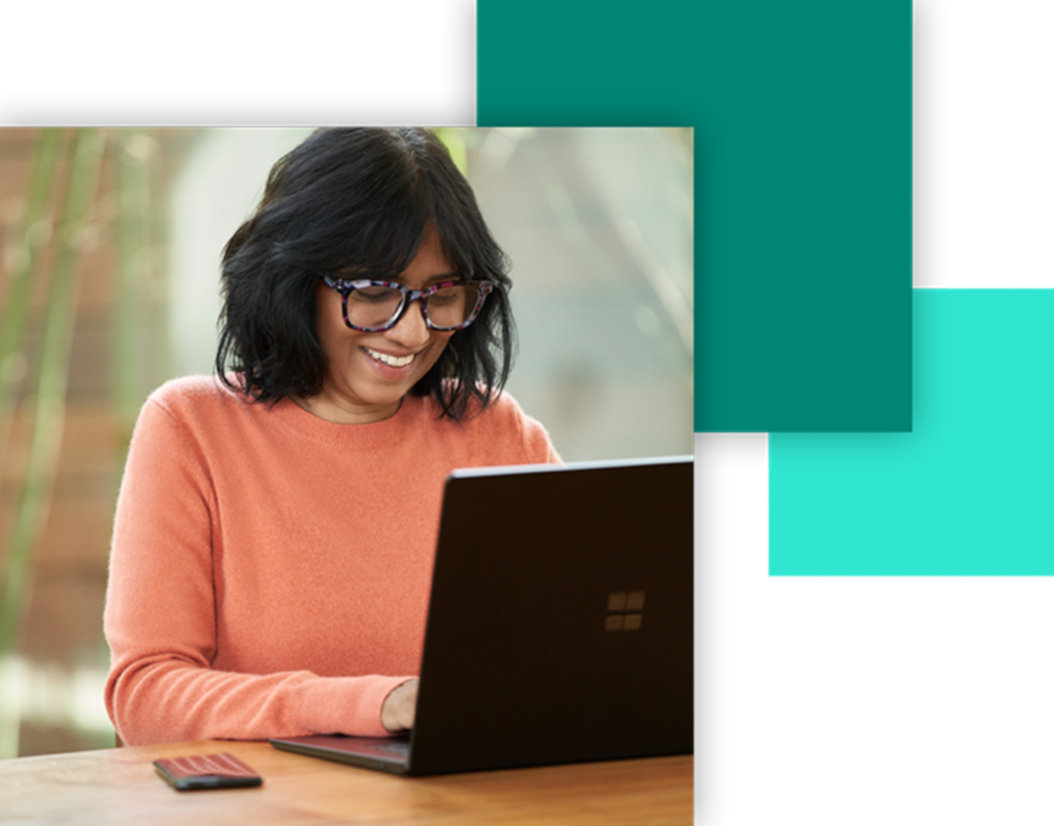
560,623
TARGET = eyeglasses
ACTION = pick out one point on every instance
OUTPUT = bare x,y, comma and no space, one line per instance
374,306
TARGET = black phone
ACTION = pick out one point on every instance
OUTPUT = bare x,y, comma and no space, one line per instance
207,771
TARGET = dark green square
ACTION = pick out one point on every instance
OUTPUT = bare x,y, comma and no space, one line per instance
802,118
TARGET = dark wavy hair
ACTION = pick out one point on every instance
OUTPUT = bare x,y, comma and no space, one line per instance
359,199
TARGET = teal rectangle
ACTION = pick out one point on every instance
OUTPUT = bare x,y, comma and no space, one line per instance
970,491
802,117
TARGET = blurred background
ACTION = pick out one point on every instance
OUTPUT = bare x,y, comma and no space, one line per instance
111,241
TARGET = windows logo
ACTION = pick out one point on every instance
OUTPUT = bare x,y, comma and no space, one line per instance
625,611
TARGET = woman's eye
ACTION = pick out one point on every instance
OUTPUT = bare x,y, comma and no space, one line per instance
448,295
375,295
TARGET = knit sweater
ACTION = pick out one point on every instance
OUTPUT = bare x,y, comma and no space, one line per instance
270,571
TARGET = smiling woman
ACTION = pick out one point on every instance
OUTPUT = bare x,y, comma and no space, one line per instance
370,368
273,544
367,204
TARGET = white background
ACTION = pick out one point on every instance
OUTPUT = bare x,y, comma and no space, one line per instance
821,701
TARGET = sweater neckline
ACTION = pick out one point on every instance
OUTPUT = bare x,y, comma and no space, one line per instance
367,436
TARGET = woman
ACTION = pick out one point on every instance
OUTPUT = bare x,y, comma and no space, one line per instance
273,542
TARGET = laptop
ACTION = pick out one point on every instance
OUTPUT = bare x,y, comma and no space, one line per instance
559,626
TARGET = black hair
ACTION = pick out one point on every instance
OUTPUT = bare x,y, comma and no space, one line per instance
357,199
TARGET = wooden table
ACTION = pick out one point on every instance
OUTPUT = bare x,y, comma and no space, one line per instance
119,786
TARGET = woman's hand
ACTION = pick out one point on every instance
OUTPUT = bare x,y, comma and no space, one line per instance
397,713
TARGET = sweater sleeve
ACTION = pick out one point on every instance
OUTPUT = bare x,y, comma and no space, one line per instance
160,618
533,439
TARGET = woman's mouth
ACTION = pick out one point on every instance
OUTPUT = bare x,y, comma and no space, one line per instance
391,361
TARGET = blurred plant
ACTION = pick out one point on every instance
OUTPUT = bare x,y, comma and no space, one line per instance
71,205
50,369
36,231
138,268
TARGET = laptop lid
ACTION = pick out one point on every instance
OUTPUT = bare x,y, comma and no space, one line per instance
560,621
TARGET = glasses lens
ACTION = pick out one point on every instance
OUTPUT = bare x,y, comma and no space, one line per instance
373,306
452,306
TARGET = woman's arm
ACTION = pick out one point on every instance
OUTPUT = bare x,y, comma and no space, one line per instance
161,618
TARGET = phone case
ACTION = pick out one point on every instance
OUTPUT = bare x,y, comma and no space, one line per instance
207,771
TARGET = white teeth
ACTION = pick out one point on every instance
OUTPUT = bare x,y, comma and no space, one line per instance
390,360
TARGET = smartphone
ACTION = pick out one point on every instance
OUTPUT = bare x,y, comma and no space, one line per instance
207,771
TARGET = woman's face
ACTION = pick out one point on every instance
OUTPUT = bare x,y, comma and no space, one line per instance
367,374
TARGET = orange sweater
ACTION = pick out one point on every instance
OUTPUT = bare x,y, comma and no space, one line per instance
270,571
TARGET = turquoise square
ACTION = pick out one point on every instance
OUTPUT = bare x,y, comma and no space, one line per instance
970,491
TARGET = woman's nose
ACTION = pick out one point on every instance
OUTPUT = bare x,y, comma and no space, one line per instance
410,331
